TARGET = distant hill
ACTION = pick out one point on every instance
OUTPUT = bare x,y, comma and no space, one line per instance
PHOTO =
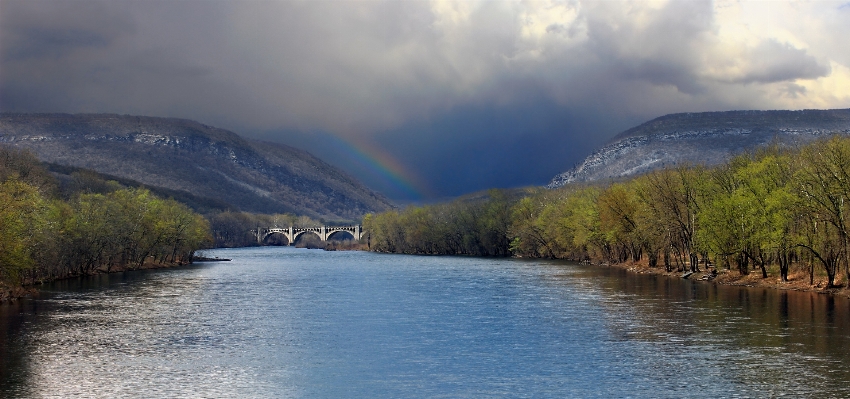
203,161
707,138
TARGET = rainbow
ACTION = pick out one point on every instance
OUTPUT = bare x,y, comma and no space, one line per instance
383,166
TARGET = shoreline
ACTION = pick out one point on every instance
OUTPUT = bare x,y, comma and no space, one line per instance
797,280
14,293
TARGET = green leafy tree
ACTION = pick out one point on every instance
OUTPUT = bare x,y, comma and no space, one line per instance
824,194
23,217
529,234
672,196
618,218
767,203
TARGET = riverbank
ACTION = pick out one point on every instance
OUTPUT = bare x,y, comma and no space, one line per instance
10,293
797,280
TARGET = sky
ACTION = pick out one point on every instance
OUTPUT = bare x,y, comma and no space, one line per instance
424,100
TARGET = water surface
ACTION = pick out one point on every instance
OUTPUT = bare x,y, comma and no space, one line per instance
285,322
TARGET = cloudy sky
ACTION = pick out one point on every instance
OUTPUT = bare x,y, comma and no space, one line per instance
425,99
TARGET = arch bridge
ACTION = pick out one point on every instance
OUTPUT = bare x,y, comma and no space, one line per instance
292,233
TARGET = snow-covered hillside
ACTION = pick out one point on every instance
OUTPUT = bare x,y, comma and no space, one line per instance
707,138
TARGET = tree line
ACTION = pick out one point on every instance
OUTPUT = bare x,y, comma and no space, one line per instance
53,229
767,211
58,221
232,229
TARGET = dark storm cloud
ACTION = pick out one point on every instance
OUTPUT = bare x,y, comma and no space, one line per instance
491,146
91,57
29,34
476,147
466,94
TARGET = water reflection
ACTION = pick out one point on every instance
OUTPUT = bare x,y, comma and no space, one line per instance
13,367
282,322
769,341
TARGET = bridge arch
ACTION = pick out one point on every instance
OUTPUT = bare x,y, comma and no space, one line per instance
340,235
276,238
308,239
302,233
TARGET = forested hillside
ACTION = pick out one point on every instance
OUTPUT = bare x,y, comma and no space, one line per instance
46,235
777,211
202,161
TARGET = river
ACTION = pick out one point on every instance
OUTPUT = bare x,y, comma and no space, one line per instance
286,322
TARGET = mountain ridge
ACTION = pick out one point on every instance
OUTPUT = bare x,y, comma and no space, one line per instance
701,138
754,118
181,154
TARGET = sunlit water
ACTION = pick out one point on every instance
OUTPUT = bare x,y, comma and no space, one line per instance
284,322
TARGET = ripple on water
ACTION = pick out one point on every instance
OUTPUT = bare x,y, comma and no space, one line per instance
282,322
